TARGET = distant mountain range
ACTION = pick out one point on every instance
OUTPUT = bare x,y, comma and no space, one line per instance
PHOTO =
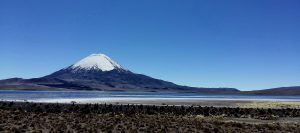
99,72
293,90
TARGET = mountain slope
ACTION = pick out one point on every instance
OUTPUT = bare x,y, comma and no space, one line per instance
99,72
293,90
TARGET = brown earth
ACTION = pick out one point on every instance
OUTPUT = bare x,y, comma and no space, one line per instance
33,117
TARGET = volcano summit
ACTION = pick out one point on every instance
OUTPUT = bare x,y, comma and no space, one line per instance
97,62
99,72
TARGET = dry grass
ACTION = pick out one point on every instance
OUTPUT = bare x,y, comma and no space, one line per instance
52,118
269,104
18,121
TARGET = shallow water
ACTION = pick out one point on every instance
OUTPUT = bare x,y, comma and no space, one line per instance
67,96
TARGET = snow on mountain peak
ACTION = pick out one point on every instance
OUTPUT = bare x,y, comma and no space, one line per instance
97,62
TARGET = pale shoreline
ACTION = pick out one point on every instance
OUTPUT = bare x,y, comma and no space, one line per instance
216,102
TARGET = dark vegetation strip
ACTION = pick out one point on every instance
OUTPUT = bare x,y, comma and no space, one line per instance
150,109
95,118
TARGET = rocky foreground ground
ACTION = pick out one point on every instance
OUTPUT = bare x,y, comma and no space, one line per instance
37,117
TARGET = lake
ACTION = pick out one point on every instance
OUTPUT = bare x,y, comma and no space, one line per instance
101,96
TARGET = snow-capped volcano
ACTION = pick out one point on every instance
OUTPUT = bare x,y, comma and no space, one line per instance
97,62
99,72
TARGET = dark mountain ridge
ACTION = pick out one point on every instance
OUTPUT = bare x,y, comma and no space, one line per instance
293,90
99,72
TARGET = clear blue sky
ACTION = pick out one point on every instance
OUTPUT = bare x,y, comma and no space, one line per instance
247,44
